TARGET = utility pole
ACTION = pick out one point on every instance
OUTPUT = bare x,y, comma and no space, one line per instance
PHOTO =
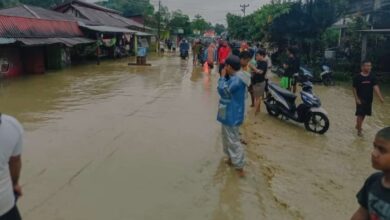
243,8
159,26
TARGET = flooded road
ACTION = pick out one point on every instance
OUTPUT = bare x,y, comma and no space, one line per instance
119,142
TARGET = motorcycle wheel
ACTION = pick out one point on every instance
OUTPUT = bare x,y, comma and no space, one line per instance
328,81
317,122
270,111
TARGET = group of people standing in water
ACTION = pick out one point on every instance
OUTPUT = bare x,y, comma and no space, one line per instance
242,69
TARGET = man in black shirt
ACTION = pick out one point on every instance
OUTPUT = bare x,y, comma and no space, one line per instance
374,197
291,67
364,85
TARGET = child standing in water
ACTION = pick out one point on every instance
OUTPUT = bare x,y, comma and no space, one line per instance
374,197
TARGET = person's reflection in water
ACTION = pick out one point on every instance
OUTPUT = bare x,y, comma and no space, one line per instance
196,74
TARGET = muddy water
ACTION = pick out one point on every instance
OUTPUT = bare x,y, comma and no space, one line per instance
119,142
312,176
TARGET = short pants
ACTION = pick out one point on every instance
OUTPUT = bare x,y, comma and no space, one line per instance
364,109
12,214
258,89
294,80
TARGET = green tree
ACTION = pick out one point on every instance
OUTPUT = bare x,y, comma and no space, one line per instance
42,3
39,3
199,23
180,20
236,26
130,7
304,25
219,28
8,3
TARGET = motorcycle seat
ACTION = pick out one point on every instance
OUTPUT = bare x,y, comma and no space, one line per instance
283,92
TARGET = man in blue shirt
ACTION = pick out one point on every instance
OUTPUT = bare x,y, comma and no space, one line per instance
232,87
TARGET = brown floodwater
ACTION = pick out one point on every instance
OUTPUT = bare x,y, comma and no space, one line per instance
123,142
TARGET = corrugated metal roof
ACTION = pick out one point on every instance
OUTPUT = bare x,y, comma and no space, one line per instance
101,16
86,4
29,11
36,12
129,22
108,29
13,27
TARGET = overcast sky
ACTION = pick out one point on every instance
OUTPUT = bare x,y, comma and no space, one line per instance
212,10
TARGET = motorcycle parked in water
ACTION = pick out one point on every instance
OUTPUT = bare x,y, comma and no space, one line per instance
184,54
303,75
201,56
282,102
325,76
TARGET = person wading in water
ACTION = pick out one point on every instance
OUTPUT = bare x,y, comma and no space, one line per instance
364,85
232,88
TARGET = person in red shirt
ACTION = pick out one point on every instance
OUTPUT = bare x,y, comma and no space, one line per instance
223,53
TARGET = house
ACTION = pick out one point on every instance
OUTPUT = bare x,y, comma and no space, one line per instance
106,23
375,11
375,40
34,39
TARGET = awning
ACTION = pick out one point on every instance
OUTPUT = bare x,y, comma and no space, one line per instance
7,40
143,34
107,29
375,31
70,42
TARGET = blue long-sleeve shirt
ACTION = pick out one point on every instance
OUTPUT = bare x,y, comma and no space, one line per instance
232,103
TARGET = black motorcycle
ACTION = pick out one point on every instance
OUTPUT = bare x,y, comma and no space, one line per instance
282,102
326,76
201,56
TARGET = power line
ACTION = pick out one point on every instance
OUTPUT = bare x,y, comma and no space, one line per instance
159,26
244,8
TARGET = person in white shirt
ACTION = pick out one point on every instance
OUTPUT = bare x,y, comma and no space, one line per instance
11,142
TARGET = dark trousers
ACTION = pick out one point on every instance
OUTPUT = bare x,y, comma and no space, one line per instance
13,214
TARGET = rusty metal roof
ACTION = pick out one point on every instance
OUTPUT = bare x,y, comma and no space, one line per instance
29,11
98,14
106,18
20,27
101,17
67,3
